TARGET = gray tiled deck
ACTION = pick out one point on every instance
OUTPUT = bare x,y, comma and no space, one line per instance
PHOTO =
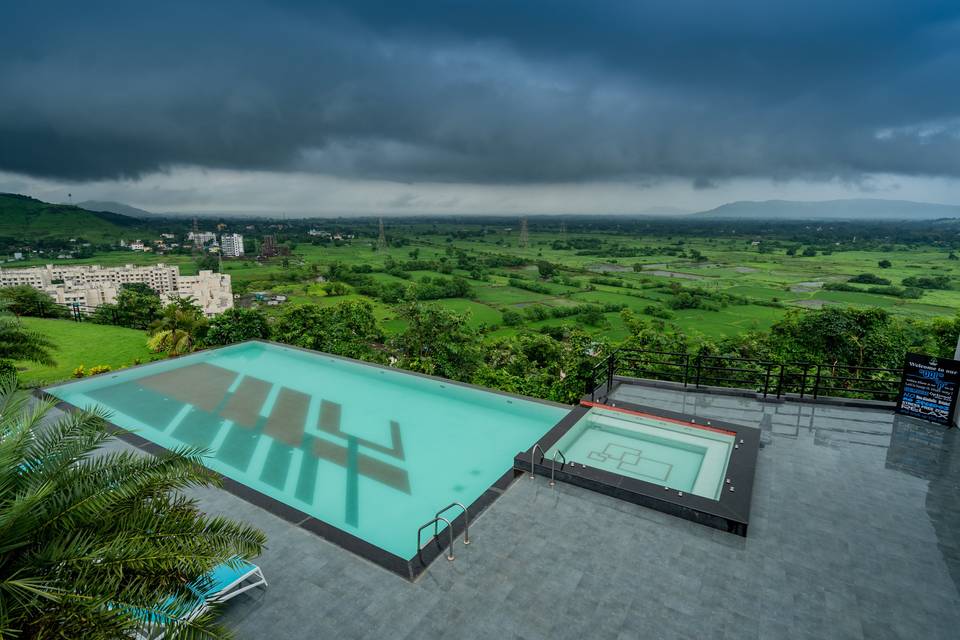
855,533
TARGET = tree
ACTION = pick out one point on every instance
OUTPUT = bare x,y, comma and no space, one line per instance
545,268
944,332
844,336
927,282
26,301
809,252
90,538
237,325
180,329
869,278
347,328
593,317
884,264
208,262
554,365
137,306
436,341
512,318
336,289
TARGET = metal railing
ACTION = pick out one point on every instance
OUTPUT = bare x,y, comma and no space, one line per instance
779,379
77,312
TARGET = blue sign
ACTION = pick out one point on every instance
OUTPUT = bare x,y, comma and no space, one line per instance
929,388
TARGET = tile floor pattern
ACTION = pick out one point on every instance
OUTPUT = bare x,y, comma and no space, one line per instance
855,533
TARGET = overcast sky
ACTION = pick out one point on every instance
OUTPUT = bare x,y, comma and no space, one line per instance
484,106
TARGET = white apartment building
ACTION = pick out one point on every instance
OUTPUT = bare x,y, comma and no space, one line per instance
231,245
202,237
93,285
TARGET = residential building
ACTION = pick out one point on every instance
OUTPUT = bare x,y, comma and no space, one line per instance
202,237
93,285
212,291
231,245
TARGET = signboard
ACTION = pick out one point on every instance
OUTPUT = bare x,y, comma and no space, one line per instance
929,388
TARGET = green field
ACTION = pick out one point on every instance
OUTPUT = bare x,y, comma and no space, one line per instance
746,288
85,344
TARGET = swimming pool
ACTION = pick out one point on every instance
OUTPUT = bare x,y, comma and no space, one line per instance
694,468
370,451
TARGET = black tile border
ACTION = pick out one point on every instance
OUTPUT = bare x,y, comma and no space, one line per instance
730,513
410,568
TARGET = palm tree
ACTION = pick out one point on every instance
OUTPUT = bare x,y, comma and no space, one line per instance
19,343
179,329
92,541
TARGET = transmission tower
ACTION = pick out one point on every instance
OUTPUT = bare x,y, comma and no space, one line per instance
563,230
382,238
197,246
524,233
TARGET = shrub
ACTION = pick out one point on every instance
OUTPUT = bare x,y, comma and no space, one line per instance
511,318
97,370
869,278
336,289
8,373
79,372
657,312
927,282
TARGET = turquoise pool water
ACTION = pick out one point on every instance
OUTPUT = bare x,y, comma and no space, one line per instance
660,451
374,452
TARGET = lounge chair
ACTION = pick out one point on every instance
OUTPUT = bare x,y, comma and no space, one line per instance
222,583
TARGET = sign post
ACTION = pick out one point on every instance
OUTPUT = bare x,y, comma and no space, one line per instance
929,387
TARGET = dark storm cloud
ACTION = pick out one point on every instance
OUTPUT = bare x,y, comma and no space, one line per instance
484,92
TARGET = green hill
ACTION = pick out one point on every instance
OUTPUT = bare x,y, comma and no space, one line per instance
24,219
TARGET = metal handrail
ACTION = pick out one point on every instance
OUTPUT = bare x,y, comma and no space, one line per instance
466,521
802,378
553,465
435,521
533,456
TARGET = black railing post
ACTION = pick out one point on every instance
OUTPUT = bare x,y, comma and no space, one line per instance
780,382
766,380
611,366
699,363
686,368
803,380
816,384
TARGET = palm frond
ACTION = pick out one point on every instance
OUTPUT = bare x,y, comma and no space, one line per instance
89,540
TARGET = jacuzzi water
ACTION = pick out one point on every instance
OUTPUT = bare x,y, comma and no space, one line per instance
670,453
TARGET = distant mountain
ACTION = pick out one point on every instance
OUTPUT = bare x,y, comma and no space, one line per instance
114,207
27,219
857,209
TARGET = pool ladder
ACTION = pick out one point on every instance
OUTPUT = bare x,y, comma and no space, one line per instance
553,463
437,519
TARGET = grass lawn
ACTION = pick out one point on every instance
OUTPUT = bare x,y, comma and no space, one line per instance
82,343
